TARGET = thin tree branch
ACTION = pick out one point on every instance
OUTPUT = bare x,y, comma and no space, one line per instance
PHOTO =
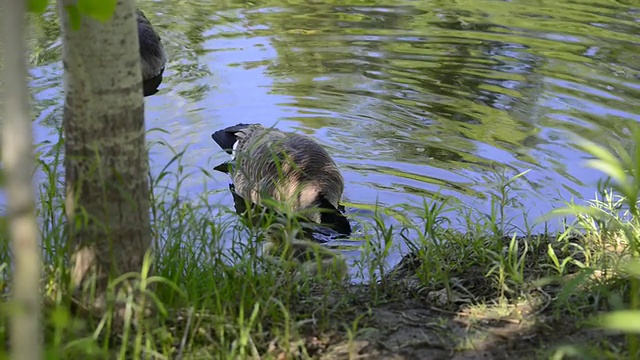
18,165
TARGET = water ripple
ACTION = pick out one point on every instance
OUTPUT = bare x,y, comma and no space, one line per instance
411,97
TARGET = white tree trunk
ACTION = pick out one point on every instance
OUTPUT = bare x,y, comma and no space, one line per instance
106,162
18,164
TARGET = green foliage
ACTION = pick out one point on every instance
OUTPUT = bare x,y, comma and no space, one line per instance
622,320
101,10
37,6
616,221
217,297
74,16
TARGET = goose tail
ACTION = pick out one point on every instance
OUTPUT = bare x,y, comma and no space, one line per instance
227,138
333,217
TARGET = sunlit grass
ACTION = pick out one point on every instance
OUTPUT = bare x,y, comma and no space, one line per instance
613,222
216,296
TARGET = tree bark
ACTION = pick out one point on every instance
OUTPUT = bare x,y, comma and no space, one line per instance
18,163
106,162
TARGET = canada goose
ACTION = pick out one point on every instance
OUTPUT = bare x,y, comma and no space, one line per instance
152,55
310,257
286,167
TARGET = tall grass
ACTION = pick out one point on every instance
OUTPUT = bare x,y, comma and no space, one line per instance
218,297
612,220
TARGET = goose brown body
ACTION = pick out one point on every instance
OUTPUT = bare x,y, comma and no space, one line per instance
286,167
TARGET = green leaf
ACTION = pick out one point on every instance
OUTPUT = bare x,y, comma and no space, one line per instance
570,287
74,16
598,151
37,6
636,135
517,177
632,267
613,169
552,254
595,213
101,10
627,321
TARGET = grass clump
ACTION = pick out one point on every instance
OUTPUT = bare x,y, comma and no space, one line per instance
483,288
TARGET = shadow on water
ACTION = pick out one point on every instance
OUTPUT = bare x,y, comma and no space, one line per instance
412,98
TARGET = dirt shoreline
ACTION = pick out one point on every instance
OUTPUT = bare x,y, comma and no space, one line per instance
469,321
416,329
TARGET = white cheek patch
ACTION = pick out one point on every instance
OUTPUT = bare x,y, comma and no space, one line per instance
233,150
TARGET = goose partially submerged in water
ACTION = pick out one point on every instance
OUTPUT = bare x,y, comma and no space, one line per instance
152,55
310,258
286,167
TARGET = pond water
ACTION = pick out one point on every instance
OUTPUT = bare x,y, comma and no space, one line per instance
410,97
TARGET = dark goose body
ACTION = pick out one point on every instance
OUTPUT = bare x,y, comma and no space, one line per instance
152,55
